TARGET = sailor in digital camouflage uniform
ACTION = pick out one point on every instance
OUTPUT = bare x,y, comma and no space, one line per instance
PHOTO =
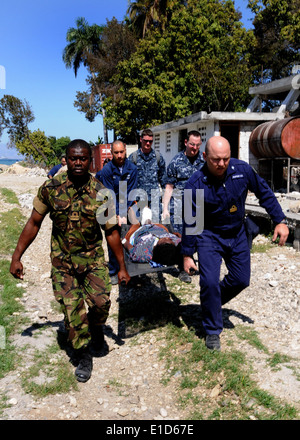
79,273
151,169
179,170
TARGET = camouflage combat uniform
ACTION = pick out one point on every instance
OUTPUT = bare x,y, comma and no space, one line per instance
151,178
79,273
179,171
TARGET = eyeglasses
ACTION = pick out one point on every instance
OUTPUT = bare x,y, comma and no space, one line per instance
147,140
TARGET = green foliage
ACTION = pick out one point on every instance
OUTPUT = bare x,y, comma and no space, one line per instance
200,62
83,41
58,148
9,310
84,45
169,59
145,15
277,33
35,146
15,115
278,359
115,43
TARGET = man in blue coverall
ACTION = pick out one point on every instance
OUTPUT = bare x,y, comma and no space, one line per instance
57,167
225,182
120,176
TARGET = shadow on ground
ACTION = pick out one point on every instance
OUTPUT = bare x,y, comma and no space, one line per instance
144,305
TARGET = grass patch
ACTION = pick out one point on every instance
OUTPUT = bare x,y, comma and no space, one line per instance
49,374
10,316
262,247
118,386
217,385
9,196
278,359
251,337
11,226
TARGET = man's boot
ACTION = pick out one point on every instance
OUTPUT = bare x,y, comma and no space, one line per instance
97,337
84,369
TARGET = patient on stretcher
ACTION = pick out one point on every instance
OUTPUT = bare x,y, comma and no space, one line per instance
153,244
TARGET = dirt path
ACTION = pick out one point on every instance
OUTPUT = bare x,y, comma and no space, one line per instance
126,379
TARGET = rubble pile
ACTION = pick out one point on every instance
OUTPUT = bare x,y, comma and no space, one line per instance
19,169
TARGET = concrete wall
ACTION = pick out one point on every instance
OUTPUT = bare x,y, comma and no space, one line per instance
244,150
170,142
130,149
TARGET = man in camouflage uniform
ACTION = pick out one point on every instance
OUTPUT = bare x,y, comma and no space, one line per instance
179,170
79,273
151,169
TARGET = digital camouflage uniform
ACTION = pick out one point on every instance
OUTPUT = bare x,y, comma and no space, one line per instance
179,171
151,177
79,273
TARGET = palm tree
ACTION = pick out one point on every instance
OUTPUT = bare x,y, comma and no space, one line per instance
145,13
84,44
142,13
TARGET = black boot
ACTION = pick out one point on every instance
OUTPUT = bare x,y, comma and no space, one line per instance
96,330
97,337
84,370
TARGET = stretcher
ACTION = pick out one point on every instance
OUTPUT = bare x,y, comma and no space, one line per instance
136,269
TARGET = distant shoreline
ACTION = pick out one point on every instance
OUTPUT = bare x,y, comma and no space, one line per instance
9,162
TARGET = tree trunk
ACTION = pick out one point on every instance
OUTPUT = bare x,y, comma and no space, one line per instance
105,136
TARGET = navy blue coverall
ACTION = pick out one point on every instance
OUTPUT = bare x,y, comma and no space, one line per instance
111,177
224,235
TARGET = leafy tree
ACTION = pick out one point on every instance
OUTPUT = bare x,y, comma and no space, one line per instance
277,32
200,62
39,154
15,116
58,148
84,43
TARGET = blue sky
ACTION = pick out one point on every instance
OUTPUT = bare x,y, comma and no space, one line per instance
33,36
